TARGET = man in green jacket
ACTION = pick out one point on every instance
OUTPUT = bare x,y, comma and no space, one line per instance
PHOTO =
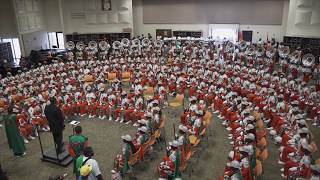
15,140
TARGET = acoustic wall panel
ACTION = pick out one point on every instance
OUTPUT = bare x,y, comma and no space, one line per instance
303,17
124,4
124,18
91,18
213,12
31,22
23,24
29,5
38,22
315,18
112,18
102,18
36,5
90,4
20,6
304,3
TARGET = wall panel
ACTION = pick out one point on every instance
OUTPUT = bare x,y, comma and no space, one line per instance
256,12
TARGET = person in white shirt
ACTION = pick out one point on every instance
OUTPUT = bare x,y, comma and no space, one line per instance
95,173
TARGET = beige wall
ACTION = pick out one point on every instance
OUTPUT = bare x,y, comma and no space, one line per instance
304,18
94,19
259,31
8,24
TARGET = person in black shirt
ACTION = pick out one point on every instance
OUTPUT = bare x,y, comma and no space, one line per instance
56,122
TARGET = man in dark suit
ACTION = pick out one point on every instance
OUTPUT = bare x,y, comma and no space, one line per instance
56,122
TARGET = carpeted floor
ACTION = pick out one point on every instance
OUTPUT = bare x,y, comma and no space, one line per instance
104,136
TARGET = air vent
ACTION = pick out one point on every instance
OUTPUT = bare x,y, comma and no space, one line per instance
77,15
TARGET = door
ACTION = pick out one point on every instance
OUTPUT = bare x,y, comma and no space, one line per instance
247,36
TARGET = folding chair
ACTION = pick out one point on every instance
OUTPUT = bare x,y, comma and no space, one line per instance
178,101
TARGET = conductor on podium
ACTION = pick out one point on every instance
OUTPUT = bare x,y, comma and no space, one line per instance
56,122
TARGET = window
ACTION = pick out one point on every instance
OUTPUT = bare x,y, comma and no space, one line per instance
15,47
222,32
56,40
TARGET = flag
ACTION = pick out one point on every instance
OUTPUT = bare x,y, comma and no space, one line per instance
240,35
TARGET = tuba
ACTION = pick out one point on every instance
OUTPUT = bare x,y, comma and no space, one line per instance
250,51
80,46
284,51
230,47
70,45
145,42
92,45
116,45
260,51
308,60
103,45
125,42
243,45
295,57
136,42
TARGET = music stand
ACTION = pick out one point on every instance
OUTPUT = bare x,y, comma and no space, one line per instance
74,123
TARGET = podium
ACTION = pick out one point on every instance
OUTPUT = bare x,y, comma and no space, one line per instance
63,159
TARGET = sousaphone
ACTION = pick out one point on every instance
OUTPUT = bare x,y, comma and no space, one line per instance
243,45
230,47
260,51
103,45
70,45
250,50
145,42
125,42
308,60
92,45
295,57
158,43
136,42
80,46
284,51
116,45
